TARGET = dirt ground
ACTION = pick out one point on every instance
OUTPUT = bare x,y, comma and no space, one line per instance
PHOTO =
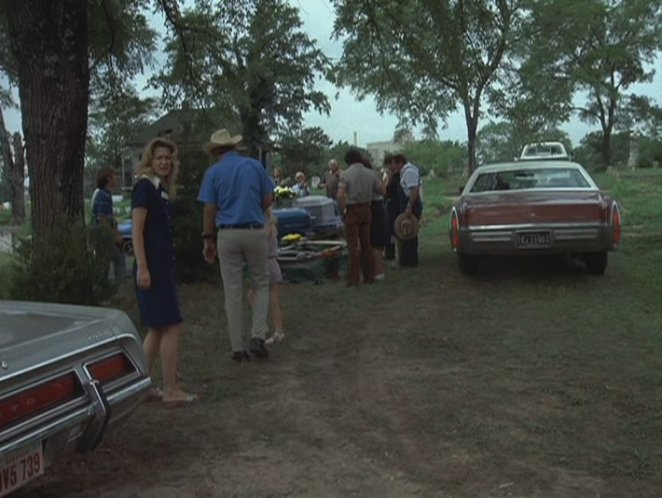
394,390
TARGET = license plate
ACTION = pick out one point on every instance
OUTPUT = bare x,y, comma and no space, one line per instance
20,467
533,239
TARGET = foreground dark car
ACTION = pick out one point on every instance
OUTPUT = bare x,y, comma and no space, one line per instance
67,374
537,207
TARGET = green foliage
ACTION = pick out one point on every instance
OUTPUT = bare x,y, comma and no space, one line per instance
452,58
117,114
190,265
503,141
600,48
303,151
441,157
68,265
650,152
247,59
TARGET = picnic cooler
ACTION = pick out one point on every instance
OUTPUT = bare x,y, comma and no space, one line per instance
293,220
325,215
312,260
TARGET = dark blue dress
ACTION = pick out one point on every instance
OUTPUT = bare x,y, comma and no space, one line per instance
159,305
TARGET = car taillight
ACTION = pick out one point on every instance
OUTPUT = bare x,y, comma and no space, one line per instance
40,398
111,368
616,224
455,231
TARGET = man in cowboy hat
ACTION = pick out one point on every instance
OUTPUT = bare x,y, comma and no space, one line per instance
235,191
411,204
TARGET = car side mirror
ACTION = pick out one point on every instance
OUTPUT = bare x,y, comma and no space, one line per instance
459,190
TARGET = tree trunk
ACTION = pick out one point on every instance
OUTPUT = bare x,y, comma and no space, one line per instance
49,41
471,144
17,182
633,156
606,149
5,149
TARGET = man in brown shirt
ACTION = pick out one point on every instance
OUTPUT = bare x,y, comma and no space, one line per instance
355,190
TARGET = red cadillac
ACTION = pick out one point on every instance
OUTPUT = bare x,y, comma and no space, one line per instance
536,207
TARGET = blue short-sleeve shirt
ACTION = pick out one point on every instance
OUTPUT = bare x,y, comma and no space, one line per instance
237,186
102,206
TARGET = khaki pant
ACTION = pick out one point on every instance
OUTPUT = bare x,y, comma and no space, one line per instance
234,247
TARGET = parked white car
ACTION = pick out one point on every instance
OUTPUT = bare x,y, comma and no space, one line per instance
544,151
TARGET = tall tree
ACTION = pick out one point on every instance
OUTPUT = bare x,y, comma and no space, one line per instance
597,47
51,54
303,150
422,59
49,43
246,58
117,113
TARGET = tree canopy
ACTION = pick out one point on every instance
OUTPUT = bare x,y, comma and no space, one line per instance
423,59
599,48
247,59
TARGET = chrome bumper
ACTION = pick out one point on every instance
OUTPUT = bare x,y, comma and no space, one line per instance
563,238
82,428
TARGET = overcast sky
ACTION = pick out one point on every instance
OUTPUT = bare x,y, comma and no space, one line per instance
349,116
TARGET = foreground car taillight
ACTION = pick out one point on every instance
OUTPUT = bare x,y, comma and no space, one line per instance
111,368
616,224
40,398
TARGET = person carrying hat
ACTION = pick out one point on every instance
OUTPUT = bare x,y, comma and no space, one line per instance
356,187
411,204
236,190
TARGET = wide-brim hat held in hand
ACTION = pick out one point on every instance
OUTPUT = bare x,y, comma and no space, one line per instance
406,226
222,138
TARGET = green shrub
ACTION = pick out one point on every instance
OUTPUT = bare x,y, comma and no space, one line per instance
190,265
69,264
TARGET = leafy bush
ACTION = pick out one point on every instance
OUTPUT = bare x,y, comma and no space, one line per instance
69,264
190,265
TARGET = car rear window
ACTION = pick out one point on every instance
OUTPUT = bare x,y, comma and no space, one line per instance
539,178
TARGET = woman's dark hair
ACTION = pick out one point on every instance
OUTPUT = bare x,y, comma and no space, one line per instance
353,155
366,161
104,175
399,159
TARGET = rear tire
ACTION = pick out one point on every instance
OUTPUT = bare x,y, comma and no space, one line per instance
468,263
596,262
127,247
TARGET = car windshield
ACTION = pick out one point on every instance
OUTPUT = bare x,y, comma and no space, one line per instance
538,178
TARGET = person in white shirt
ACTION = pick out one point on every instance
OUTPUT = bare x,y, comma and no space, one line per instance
411,202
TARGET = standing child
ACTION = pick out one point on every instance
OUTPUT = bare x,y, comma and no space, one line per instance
275,278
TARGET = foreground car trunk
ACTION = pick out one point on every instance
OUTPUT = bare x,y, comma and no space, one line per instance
66,373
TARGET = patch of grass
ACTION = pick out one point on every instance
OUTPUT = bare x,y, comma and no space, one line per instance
531,373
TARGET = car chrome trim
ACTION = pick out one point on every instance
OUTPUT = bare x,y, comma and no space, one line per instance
71,420
114,340
534,226
100,418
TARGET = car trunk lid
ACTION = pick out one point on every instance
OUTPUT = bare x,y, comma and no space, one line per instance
514,208
27,329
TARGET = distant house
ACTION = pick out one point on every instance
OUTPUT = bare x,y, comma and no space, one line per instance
379,149
192,126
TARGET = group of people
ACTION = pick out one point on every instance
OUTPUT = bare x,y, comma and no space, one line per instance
300,186
371,208
239,231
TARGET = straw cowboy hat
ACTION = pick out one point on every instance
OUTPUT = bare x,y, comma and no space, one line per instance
406,226
222,138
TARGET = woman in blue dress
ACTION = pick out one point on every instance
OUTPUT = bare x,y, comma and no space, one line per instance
154,269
